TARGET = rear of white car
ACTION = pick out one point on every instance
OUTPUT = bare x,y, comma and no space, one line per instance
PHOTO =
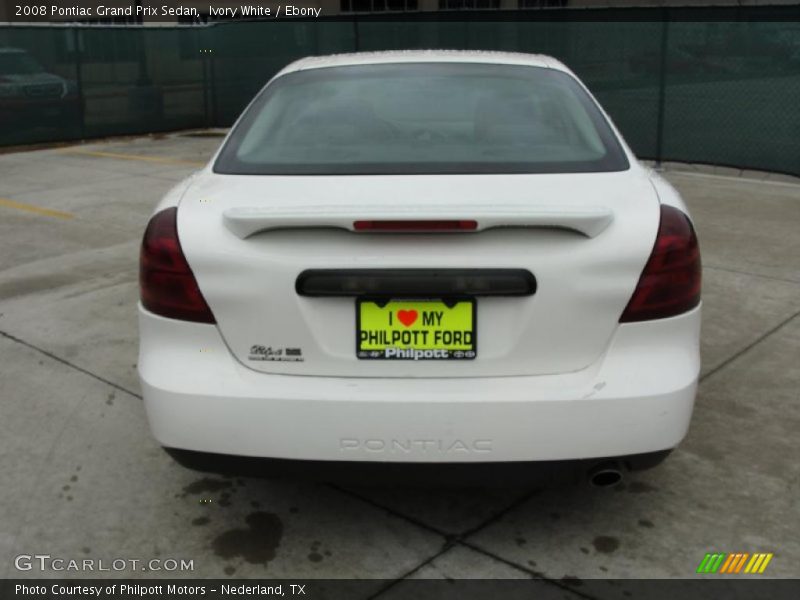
554,296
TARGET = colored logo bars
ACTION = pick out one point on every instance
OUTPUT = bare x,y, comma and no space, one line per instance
721,562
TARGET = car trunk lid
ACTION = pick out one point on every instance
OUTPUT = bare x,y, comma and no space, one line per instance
584,237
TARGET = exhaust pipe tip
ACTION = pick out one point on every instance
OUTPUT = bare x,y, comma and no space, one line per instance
605,475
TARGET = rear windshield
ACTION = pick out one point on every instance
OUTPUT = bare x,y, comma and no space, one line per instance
422,118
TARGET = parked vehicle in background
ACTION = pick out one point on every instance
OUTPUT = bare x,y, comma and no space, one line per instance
30,96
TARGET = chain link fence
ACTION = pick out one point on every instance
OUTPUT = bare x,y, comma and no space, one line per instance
719,92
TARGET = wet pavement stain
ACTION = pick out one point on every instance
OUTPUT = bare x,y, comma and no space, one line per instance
521,541
67,487
200,521
646,523
257,544
110,399
229,570
314,555
605,544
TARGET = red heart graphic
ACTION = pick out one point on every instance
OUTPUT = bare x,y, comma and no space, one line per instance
407,317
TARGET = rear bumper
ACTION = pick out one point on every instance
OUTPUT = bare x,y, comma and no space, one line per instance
427,474
637,398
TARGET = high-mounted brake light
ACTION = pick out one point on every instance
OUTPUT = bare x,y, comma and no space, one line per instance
167,284
415,226
670,282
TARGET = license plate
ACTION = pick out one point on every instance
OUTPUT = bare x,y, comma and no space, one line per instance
415,329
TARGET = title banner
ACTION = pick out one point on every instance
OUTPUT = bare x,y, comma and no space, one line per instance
158,11
200,12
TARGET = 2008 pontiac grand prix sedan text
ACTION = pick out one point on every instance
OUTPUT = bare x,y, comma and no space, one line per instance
421,257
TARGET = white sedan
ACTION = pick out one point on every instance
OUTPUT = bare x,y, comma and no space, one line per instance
422,257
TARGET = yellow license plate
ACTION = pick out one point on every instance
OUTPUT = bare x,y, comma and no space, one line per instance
415,330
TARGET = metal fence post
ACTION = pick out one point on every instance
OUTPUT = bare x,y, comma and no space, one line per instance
200,46
209,35
79,81
662,84
214,91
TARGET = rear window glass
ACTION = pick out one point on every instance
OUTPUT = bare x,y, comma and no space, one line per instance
422,118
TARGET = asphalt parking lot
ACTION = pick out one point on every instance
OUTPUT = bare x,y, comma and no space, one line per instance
83,478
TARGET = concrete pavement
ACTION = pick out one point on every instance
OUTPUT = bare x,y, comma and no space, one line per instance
83,478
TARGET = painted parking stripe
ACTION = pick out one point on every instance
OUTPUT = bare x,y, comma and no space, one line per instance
120,156
47,212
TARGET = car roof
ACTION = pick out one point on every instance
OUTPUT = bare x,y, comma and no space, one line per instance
432,56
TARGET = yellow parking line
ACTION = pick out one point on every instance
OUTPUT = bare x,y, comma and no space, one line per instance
35,209
158,159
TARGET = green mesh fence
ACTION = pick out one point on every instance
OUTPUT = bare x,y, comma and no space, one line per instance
713,92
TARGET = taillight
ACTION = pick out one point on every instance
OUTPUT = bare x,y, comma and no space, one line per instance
167,284
670,282
415,226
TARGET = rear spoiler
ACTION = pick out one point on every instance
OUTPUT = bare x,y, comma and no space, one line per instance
245,221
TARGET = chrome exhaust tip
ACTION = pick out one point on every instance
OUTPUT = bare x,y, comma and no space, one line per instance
605,475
